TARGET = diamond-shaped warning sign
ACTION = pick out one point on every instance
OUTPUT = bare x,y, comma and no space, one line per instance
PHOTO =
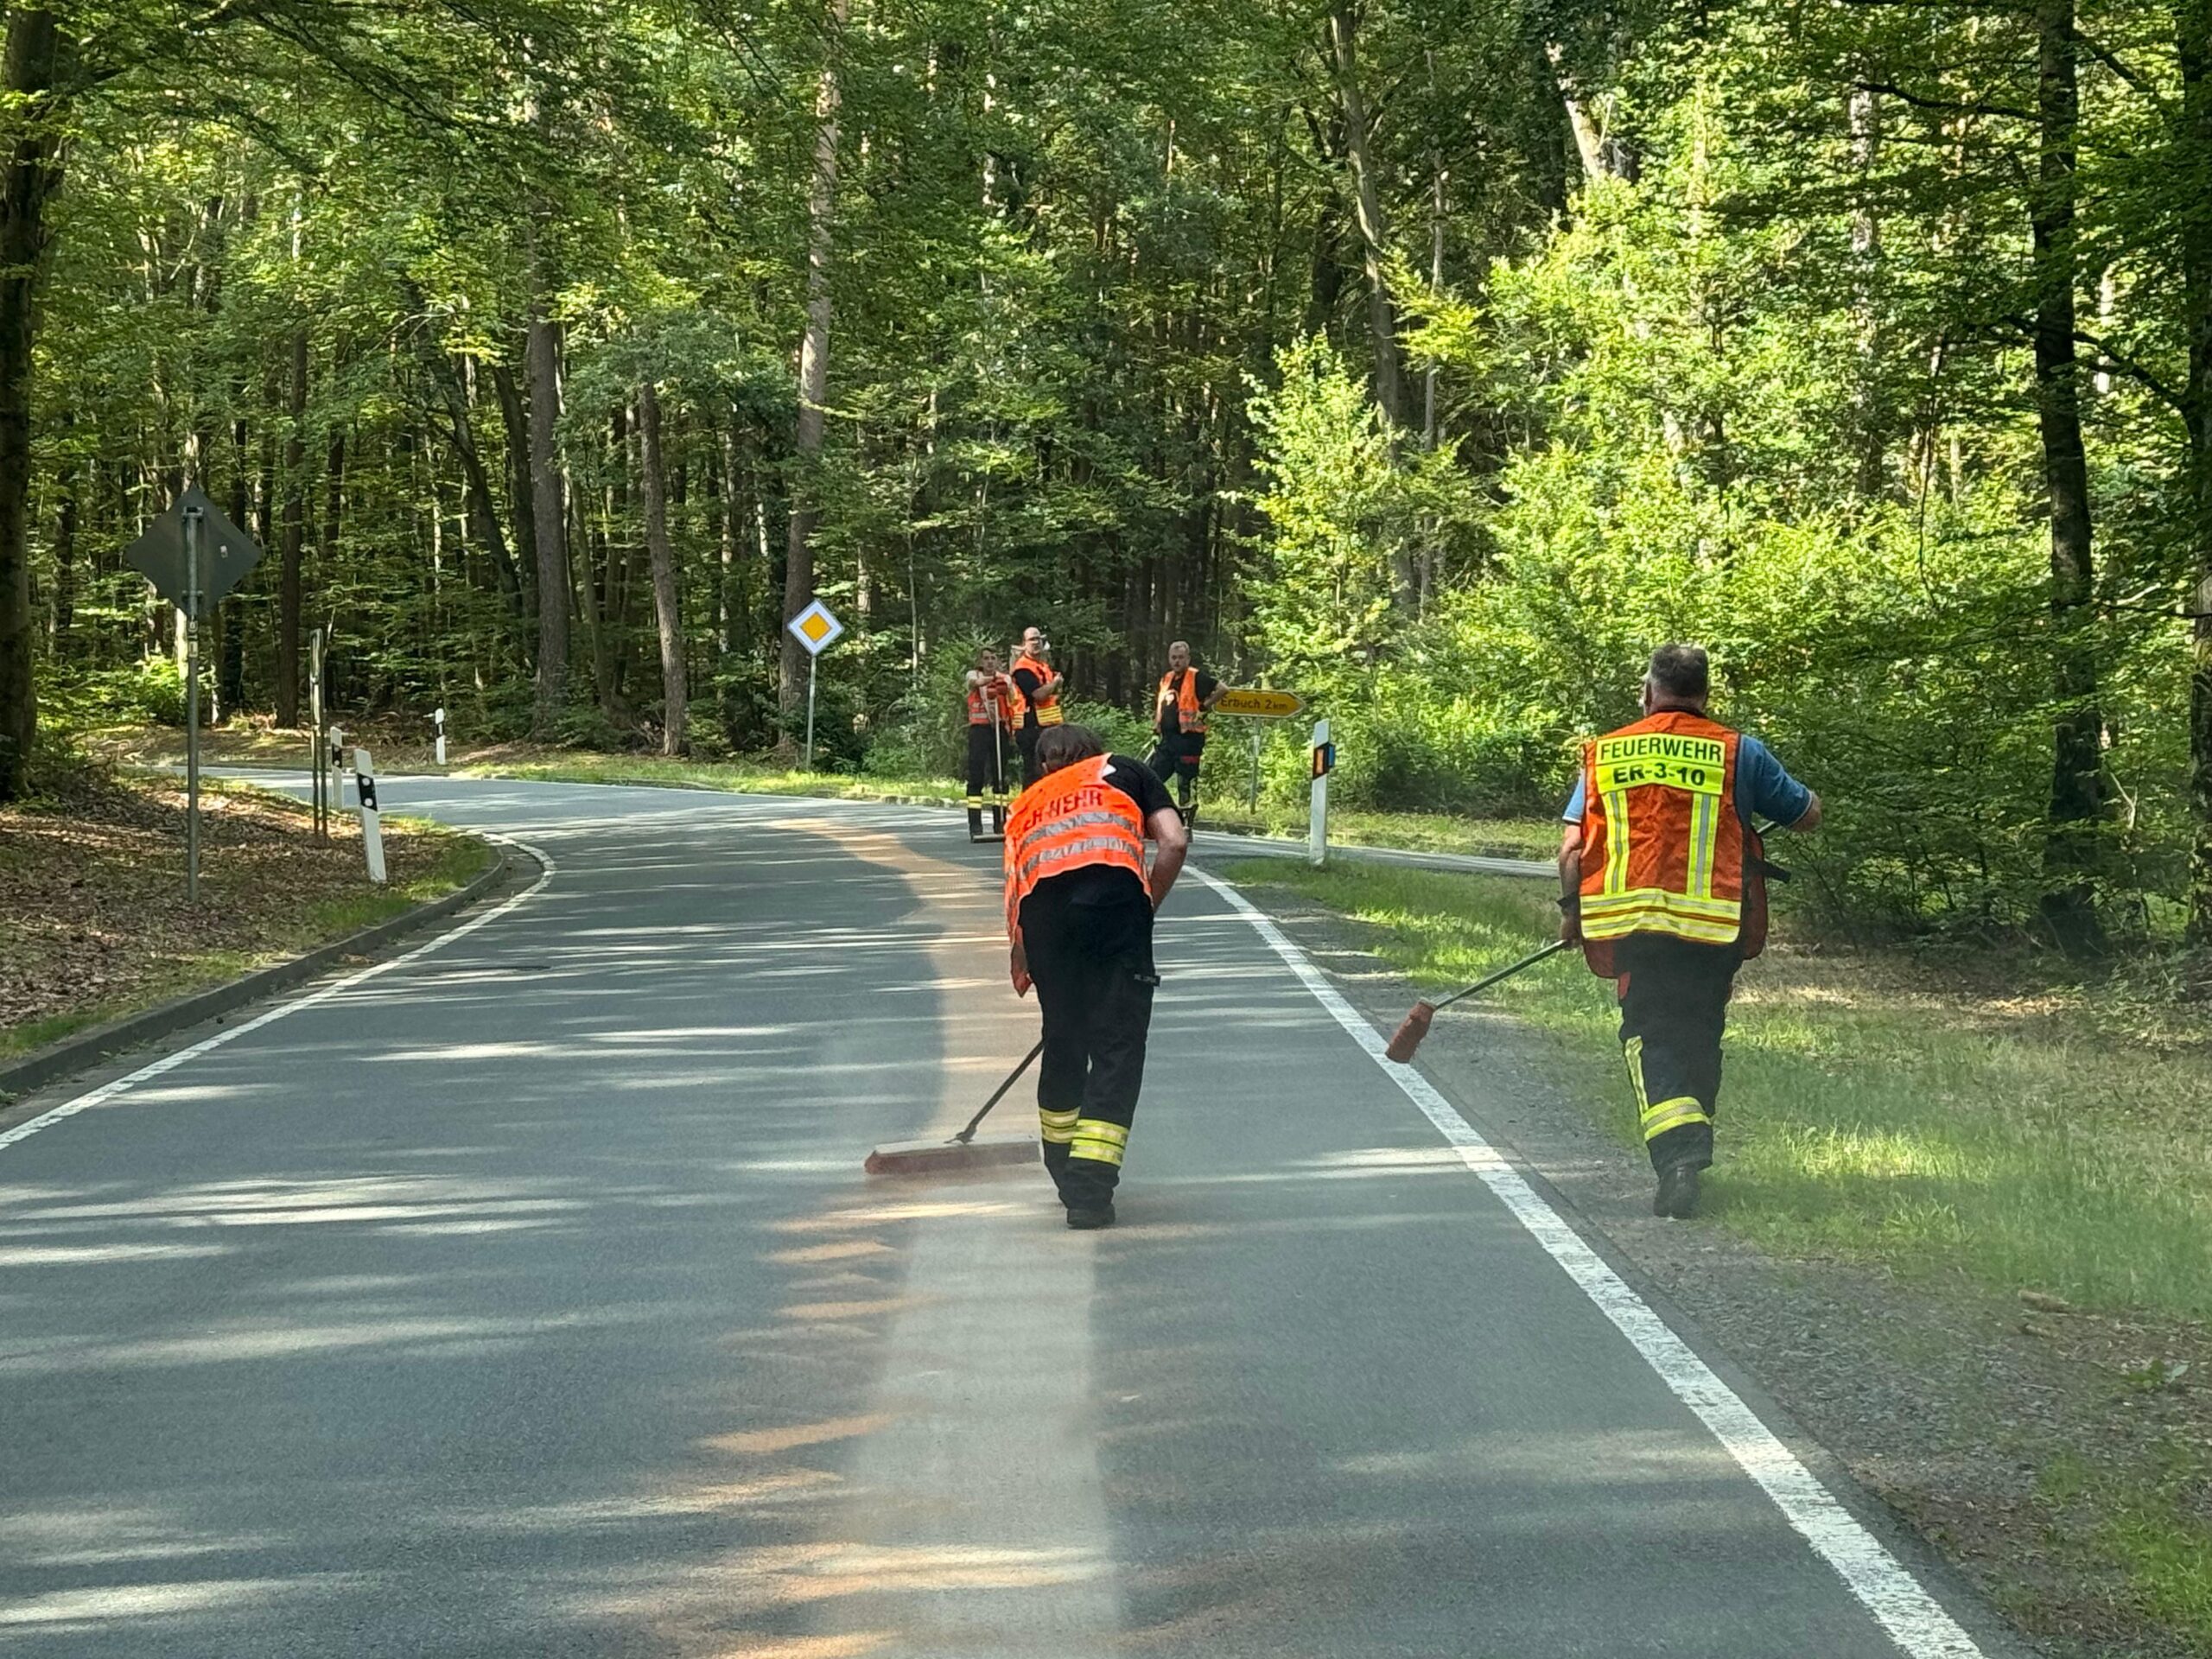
816,628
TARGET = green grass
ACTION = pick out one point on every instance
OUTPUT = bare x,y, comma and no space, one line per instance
1427,832
1869,1117
2141,1523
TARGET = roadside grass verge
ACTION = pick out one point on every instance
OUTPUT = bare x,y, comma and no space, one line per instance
1865,1115
94,921
1424,832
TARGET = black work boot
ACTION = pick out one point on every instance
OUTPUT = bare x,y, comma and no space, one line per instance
1677,1194
1087,1220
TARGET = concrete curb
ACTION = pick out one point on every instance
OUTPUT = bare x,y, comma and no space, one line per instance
88,1048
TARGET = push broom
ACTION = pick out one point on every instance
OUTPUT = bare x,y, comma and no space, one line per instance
964,1150
1414,1027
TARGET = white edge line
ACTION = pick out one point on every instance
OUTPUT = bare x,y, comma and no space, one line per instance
1913,1618
123,1085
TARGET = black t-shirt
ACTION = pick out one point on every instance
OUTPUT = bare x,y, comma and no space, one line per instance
1101,884
1170,719
1030,685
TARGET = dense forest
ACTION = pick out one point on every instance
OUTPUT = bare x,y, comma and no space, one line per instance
1434,359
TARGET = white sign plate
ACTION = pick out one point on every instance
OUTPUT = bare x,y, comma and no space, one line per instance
816,628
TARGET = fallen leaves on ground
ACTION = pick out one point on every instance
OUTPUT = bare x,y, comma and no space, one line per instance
92,906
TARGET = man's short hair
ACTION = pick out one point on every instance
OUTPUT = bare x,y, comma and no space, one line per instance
1063,745
1682,671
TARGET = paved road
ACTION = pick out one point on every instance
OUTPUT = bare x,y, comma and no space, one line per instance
527,1299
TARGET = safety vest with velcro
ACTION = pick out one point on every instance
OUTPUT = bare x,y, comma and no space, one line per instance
1664,849
993,696
1182,690
1046,704
1065,821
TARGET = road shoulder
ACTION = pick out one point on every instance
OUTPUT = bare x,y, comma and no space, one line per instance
1945,1402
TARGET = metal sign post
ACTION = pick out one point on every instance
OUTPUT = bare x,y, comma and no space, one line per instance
193,526
1250,702
1317,826
193,556
816,628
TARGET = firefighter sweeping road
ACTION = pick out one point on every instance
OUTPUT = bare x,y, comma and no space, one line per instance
526,1298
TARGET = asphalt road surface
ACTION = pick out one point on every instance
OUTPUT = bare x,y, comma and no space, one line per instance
526,1298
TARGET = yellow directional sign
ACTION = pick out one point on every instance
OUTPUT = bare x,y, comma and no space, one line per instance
1261,705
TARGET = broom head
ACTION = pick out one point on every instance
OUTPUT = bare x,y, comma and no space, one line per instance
1404,1040
951,1157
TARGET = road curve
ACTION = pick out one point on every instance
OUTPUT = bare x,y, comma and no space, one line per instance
526,1298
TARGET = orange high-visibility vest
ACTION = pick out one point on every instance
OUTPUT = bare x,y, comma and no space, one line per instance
993,696
1065,821
1664,849
1182,690
1048,705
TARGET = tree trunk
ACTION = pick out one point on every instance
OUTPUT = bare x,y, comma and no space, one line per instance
1865,116
333,499
64,555
549,514
813,370
1374,242
676,695
515,422
28,65
231,678
295,531
2077,787
2194,37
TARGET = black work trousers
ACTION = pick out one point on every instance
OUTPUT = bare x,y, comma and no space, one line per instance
1674,1008
1025,739
1175,760
1092,966
986,778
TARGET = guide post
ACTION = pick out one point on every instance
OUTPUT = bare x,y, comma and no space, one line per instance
364,786
1317,828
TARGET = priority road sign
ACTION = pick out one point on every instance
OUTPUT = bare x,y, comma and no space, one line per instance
816,628
1255,703
225,553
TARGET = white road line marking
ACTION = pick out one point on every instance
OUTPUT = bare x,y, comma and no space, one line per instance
1913,1618
123,1085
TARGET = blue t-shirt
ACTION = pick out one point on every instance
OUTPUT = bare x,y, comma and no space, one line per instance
1763,789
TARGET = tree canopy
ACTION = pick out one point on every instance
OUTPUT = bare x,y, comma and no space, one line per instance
1438,360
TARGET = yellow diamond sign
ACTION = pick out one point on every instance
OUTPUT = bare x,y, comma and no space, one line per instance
816,628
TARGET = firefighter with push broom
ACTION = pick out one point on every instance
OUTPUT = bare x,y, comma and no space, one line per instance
1079,905
1662,884
990,714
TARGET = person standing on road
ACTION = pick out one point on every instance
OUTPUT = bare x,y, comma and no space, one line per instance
1037,708
1185,697
990,713
1079,905
1662,882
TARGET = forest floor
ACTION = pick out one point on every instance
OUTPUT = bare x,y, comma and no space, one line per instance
93,919
1962,1232
256,744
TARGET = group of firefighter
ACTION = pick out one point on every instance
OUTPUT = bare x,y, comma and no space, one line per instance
1016,706
1662,885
